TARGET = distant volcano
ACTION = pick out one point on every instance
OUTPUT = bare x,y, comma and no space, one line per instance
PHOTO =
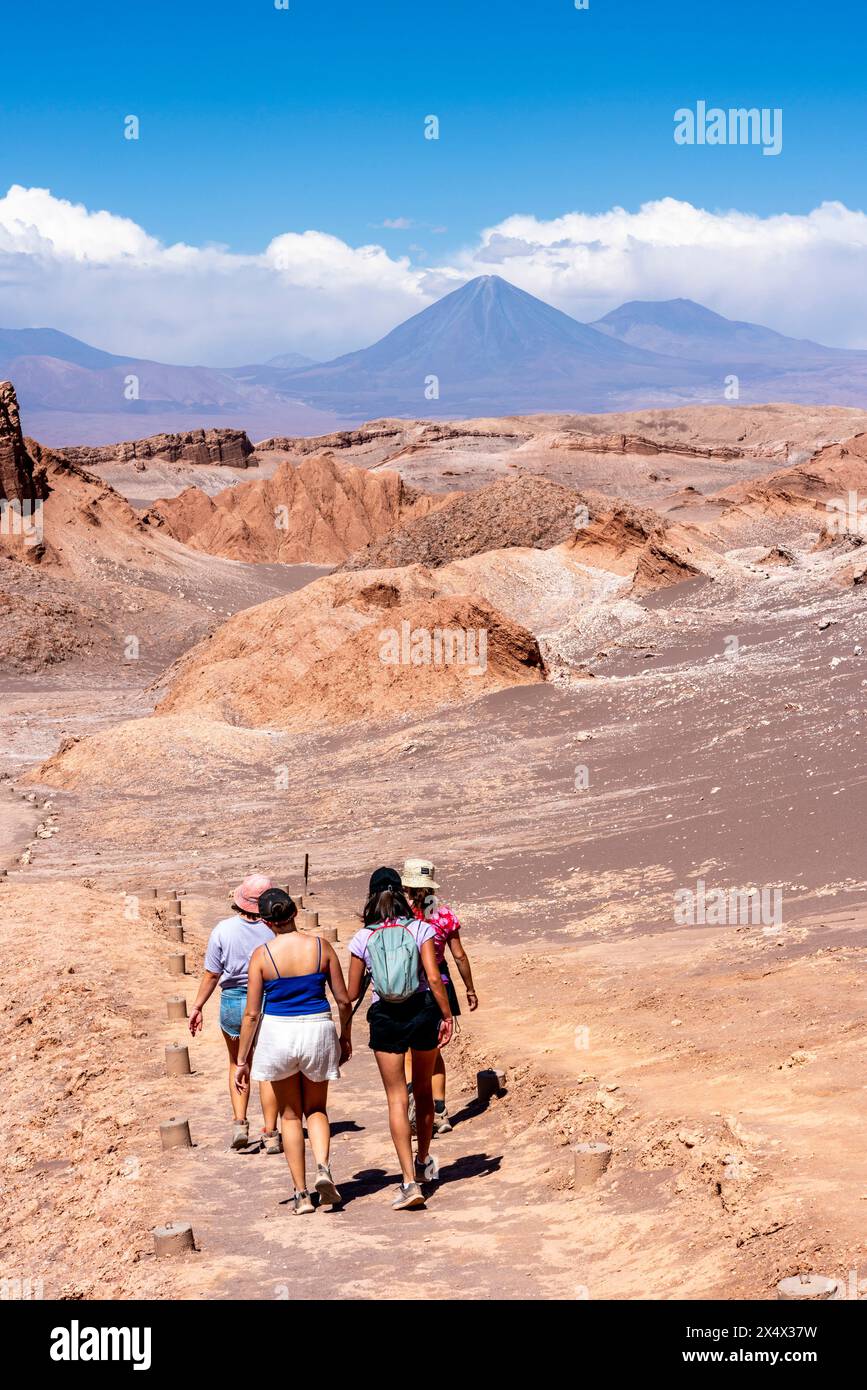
493,349
486,349
681,328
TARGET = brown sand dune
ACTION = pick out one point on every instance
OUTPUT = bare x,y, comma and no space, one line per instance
357,684
233,672
540,589
317,656
317,512
144,757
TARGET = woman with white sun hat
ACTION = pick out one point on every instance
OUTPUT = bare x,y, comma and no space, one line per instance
418,878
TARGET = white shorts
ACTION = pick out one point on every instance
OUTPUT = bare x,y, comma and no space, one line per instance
306,1043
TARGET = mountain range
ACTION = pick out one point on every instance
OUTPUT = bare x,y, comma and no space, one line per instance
487,348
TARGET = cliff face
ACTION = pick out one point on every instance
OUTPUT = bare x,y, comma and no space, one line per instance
231,448
17,480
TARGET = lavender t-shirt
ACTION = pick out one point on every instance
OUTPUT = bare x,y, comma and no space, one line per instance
230,946
422,931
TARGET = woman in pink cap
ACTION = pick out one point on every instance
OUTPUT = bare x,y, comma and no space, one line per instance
227,958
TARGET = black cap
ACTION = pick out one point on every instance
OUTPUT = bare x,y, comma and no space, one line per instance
275,905
381,879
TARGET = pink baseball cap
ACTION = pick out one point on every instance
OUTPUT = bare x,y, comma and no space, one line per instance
247,894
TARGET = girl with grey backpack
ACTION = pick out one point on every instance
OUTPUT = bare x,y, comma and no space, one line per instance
410,1012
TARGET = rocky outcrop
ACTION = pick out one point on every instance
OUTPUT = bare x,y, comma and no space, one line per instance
318,512
18,476
637,444
520,511
638,543
339,439
826,484
229,448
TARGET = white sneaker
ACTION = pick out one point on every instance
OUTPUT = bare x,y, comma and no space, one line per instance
409,1195
427,1170
442,1123
328,1193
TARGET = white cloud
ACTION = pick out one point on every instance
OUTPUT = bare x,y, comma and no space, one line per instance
105,279
803,274
35,223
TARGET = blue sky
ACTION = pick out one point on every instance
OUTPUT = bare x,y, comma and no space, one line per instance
257,121
259,124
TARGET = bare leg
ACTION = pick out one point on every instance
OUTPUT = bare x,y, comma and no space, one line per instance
315,1094
268,1101
439,1078
423,1064
238,1098
289,1103
391,1069
408,1064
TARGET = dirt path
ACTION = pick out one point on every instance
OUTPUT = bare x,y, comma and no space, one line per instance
736,1155
483,1229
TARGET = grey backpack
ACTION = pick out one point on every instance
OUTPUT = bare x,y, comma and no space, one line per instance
395,961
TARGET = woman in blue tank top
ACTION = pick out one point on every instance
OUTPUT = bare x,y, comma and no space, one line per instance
297,1047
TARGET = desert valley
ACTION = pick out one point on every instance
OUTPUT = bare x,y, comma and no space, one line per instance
672,695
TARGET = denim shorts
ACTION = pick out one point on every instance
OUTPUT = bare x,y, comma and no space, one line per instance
232,1006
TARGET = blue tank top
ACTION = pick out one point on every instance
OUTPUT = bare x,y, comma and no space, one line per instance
291,995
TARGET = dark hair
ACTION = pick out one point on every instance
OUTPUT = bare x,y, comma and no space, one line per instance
250,916
275,905
391,902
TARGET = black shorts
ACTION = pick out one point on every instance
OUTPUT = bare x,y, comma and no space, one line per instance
453,996
413,1023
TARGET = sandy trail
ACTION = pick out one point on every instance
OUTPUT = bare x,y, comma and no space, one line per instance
734,1161
483,1228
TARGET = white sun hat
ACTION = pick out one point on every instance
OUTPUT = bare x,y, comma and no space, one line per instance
418,873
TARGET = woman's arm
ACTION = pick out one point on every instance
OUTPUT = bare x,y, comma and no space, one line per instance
438,989
341,999
356,978
250,1019
456,946
207,985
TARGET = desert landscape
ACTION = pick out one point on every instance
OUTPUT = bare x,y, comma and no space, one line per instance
194,631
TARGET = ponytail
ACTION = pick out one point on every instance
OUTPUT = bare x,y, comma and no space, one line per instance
381,906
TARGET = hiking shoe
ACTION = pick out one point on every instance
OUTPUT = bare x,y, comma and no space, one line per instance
302,1204
442,1123
328,1193
411,1108
240,1135
410,1195
427,1169
272,1143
